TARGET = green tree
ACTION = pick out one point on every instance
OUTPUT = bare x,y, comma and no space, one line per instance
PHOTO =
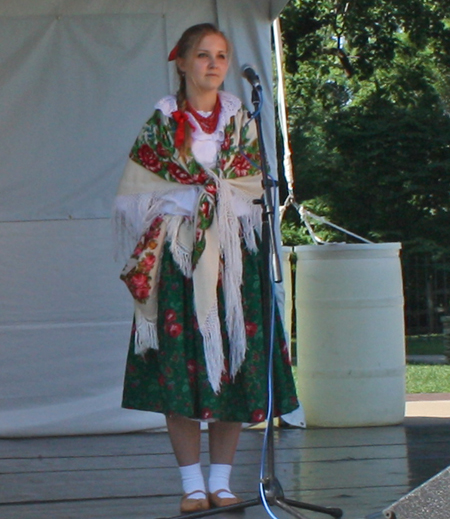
369,100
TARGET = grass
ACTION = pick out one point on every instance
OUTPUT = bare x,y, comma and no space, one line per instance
423,378
426,378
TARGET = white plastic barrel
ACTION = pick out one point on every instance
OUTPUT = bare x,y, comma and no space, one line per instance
350,334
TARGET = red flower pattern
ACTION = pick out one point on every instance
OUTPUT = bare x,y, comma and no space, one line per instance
139,286
170,316
285,353
180,175
206,413
225,379
148,262
161,151
205,208
251,329
200,178
174,329
240,166
258,415
138,249
192,370
211,189
154,230
191,366
227,142
149,158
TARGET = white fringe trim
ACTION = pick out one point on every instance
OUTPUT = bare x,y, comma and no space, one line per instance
212,344
251,224
230,245
146,334
181,251
131,216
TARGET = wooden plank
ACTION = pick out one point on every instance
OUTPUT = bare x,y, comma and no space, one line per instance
251,441
244,457
155,443
361,470
356,505
134,482
115,444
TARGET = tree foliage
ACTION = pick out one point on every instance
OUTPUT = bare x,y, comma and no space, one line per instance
368,86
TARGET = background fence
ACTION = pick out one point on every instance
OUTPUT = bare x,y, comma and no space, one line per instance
427,292
426,284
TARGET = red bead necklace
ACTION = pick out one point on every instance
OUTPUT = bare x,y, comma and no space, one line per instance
209,123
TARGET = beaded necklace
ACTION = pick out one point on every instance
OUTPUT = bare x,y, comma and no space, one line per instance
209,123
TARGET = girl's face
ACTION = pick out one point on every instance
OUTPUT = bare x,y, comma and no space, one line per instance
206,66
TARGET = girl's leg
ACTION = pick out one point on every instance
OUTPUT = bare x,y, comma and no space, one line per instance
223,441
185,438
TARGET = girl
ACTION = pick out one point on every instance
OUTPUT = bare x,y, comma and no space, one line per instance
187,198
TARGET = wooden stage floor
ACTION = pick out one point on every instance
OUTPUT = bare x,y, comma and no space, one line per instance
134,476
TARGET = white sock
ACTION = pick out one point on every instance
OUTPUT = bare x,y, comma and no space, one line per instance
192,480
219,479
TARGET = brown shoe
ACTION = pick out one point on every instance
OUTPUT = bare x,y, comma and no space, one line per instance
189,505
217,502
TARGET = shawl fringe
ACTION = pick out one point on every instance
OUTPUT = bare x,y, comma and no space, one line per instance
230,246
181,249
146,333
212,344
132,216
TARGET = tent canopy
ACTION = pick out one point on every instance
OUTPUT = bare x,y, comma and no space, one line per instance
271,8
77,80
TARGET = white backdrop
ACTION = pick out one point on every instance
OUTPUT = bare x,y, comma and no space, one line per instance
77,81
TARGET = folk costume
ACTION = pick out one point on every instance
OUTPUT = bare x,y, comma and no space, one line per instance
196,346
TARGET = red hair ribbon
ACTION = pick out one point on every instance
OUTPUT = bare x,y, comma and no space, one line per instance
173,53
180,133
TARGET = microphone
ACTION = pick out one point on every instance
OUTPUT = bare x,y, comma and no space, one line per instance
248,72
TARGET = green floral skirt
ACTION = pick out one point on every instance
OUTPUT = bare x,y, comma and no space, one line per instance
173,379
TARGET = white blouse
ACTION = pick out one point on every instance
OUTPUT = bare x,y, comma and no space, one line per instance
205,148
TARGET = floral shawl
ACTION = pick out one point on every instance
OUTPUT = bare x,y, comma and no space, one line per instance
206,244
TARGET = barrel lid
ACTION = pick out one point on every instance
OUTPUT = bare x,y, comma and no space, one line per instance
343,250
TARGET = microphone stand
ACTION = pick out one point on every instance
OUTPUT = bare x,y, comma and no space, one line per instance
271,491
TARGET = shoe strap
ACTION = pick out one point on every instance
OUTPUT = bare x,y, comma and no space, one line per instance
187,496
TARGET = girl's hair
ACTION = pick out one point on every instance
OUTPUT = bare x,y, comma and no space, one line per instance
189,40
